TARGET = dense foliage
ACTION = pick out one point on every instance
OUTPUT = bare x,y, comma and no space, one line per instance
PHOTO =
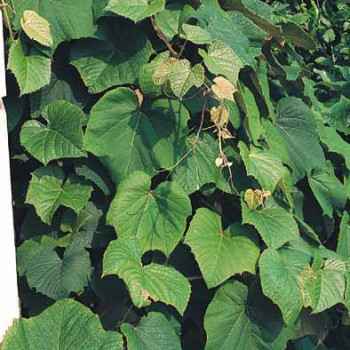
181,173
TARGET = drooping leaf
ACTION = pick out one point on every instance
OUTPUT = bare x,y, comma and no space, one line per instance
281,273
145,283
156,217
220,254
48,191
198,167
221,59
36,27
153,331
263,165
62,137
275,225
328,190
135,9
240,319
31,69
67,325
297,127
338,115
115,60
62,16
56,277
334,142
142,142
343,247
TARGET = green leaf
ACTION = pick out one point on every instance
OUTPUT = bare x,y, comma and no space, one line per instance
220,27
182,77
66,325
281,273
150,282
298,36
275,225
252,115
146,139
136,10
63,86
156,217
329,286
196,34
338,116
328,190
116,60
48,191
221,59
56,277
297,127
153,331
147,72
171,19
343,247
81,228
220,254
62,16
334,142
238,319
263,165
31,69
198,167
36,27
62,137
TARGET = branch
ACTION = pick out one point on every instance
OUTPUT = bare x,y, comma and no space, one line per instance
3,5
163,37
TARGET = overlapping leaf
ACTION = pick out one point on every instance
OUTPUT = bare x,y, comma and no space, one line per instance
145,283
156,217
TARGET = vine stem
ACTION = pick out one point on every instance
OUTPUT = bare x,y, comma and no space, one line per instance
162,36
3,5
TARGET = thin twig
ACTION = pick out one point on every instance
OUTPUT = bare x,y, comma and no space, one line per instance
163,37
3,5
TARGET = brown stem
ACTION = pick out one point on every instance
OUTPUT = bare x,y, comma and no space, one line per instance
3,5
163,37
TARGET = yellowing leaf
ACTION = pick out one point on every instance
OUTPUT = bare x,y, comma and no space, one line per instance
223,88
36,27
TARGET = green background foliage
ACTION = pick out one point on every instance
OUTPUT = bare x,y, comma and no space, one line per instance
181,173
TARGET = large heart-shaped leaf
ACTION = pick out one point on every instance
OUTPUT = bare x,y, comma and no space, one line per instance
145,283
157,217
67,325
56,277
275,225
31,69
113,59
48,191
62,137
143,139
238,319
220,254
62,16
